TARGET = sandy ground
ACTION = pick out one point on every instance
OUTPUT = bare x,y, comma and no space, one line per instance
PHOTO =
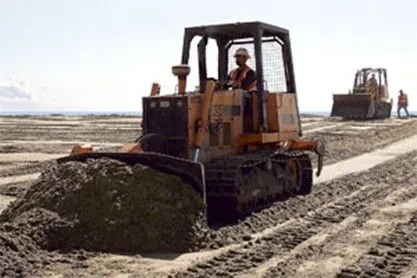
362,210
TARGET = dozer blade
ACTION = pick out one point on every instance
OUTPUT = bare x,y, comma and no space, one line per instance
353,106
190,171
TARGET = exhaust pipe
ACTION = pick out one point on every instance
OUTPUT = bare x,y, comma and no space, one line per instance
181,72
155,90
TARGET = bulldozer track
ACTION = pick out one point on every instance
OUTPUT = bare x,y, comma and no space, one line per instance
242,184
289,235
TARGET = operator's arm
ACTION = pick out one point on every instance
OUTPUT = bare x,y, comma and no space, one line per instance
249,79
251,76
228,84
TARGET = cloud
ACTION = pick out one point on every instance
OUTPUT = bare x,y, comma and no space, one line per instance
16,89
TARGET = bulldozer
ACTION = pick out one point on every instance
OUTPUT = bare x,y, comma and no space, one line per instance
368,99
241,151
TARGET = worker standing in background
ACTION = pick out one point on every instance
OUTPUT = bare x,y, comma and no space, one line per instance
373,87
243,77
402,103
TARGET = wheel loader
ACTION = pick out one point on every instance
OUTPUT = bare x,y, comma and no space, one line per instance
368,99
241,151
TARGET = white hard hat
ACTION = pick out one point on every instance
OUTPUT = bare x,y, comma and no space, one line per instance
242,52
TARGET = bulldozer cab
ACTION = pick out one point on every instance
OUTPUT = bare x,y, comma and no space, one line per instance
232,120
270,51
363,83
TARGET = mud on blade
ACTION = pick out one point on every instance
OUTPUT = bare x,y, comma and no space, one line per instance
190,171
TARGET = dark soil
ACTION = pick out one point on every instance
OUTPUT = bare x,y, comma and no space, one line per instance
114,207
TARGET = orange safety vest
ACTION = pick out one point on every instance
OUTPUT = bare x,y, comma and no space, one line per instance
237,82
402,100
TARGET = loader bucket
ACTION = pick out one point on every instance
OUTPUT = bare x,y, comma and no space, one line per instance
191,172
353,106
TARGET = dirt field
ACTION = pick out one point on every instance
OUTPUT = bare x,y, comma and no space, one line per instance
359,221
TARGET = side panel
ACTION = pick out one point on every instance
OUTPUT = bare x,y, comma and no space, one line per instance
226,118
194,113
273,105
226,123
385,94
282,115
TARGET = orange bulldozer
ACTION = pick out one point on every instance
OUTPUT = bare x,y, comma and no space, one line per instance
240,150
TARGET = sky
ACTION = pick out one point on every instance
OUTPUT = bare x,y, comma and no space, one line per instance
97,55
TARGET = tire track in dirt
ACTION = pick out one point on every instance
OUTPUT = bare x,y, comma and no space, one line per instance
344,146
283,240
324,127
321,249
390,257
410,271
287,237
15,190
5,181
29,168
367,160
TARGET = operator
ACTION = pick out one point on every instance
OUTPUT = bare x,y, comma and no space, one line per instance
402,103
242,77
373,87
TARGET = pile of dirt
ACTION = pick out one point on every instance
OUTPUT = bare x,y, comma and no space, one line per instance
21,242
106,205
